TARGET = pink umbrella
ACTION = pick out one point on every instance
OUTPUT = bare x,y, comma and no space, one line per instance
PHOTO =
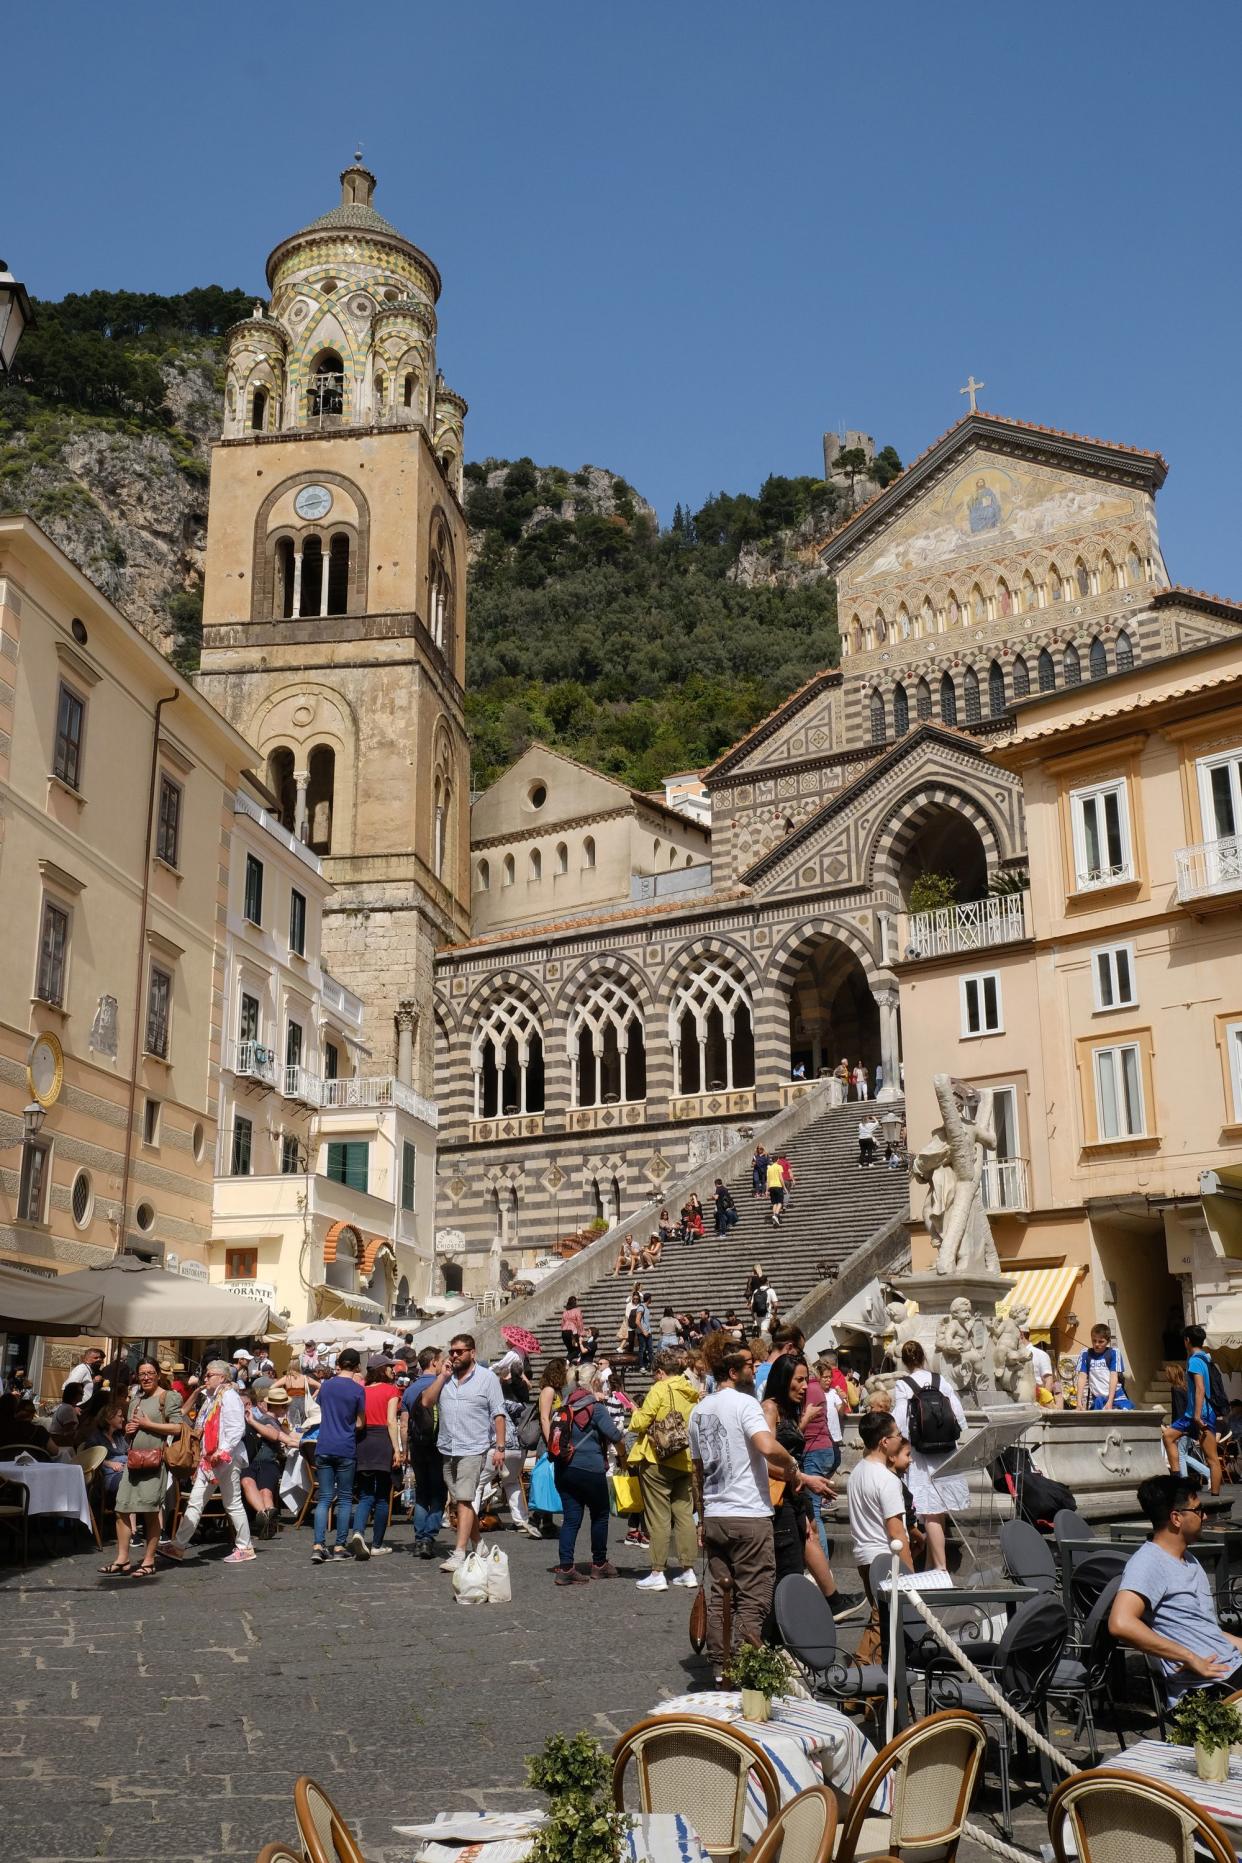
520,1339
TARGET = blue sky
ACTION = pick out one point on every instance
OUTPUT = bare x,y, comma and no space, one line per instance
681,239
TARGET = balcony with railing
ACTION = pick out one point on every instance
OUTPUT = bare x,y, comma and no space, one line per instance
1210,873
250,1060
1005,1184
977,925
298,1084
245,805
380,1092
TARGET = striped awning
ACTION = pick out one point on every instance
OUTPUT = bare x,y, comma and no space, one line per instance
1044,1292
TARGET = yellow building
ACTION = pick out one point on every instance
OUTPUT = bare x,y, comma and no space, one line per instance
1104,1008
111,983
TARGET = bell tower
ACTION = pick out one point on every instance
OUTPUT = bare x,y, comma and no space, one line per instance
334,603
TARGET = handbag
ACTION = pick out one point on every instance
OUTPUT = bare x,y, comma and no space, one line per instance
668,1433
144,1461
627,1492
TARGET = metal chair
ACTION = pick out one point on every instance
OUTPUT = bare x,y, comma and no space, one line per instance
1092,1570
15,1511
1118,1813
1024,1664
933,1766
1027,1556
9,1452
971,1625
809,1632
1081,1676
698,1767
326,1838
803,1831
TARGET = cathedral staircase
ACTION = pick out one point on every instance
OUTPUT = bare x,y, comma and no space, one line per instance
835,1211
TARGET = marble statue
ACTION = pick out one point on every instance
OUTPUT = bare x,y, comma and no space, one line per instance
951,1165
898,1328
1013,1366
958,1351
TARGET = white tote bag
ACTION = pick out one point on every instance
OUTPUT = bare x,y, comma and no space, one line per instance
499,1589
470,1579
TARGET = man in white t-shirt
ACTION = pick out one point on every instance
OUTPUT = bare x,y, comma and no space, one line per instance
733,1451
85,1373
877,1510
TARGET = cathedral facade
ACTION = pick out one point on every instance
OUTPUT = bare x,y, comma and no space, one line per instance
1007,560
334,613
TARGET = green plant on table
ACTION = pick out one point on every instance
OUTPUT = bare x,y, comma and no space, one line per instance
582,1826
768,1671
1202,1722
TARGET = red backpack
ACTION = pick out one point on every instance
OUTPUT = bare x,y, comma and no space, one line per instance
579,1409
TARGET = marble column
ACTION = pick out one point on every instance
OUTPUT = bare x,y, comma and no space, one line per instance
407,1020
886,1001
301,814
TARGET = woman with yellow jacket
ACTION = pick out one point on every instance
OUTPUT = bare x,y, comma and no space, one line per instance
662,1421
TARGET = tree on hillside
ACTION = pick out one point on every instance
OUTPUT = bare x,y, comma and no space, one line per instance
850,461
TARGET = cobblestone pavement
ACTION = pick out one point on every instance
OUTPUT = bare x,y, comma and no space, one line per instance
168,1718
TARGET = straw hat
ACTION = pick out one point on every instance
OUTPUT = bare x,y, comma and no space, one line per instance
278,1395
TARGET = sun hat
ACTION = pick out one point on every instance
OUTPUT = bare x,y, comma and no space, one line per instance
278,1395
241,1353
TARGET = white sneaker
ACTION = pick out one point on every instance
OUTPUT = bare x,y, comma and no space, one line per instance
529,1529
380,1552
654,1581
455,1558
687,1578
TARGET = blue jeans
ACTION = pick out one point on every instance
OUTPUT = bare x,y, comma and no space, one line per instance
430,1496
374,1492
336,1483
583,1491
821,1462
642,1345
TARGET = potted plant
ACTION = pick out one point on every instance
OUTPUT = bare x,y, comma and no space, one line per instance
582,1825
1211,1728
761,1674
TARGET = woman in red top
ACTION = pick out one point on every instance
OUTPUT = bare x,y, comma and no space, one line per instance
379,1452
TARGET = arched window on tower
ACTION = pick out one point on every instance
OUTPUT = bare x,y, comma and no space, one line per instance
1097,660
440,796
280,780
1073,665
282,593
996,690
506,1058
258,411
319,798
562,857
711,1029
948,699
878,725
483,883
922,701
1021,679
901,711
325,389
970,689
1047,671
606,1045
536,866
407,390
1125,653
312,591
338,575
440,600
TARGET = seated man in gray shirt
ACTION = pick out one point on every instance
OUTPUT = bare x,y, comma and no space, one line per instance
1164,1606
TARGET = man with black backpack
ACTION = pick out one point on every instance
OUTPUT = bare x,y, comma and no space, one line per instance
928,1410
430,1493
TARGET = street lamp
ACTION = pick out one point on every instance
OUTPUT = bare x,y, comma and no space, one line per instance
891,1124
15,314
32,1121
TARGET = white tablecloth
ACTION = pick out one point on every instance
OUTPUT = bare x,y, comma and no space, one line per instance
55,1487
809,1743
653,1837
1175,1766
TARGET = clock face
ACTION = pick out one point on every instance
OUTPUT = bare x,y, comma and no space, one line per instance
313,501
46,1069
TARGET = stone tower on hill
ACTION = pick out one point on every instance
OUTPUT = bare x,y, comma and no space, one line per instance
334,607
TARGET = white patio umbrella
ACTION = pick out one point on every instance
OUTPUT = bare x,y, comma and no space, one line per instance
143,1302
38,1304
324,1332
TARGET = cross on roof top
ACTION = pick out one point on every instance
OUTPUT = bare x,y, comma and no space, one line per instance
972,389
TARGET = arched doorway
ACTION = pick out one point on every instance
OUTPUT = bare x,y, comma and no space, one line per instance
451,1274
943,842
832,1013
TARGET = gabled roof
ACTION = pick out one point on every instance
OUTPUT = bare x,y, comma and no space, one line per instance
1199,599
810,688
1011,436
925,733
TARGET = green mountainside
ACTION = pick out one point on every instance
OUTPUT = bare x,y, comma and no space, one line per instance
635,649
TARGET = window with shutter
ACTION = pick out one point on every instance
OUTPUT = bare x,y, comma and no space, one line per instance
409,1159
349,1163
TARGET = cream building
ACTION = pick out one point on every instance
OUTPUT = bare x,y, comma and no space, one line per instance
1104,1008
324,1168
112,981
334,614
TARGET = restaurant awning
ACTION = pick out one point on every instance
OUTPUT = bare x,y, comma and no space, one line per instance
144,1302
36,1303
1044,1292
1224,1330
337,1303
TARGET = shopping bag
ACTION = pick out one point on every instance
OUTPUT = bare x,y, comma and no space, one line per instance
470,1579
499,1589
627,1492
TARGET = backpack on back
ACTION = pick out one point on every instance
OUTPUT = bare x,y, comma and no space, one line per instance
759,1302
579,1410
932,1425
423,1424
1218,1396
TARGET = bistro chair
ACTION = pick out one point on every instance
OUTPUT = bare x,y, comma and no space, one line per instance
928,1775
809,1632
700,1768
1027,1556
1120,1814
1081,1676
803,1831
326,1837
90,1461
15,1512
11,1451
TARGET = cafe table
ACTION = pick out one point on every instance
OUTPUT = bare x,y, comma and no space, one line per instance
54,1488
652,1837
808,1742
1175,1766
986,1599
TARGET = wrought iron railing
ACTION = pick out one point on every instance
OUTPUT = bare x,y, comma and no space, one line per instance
1004,1184
974,926
1211,867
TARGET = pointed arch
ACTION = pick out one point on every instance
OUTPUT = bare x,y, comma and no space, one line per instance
1072,664
978,605
605,1042
927,618
1021,678
922,701
903,622
1124,653
711,1028
880,627
1134,567
970,694
1004,600
1055,586
506,1059
996,690
879,727
948,699
901,711
1047,671
1108,574
1097,659
952,610
1030,594
1082,579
